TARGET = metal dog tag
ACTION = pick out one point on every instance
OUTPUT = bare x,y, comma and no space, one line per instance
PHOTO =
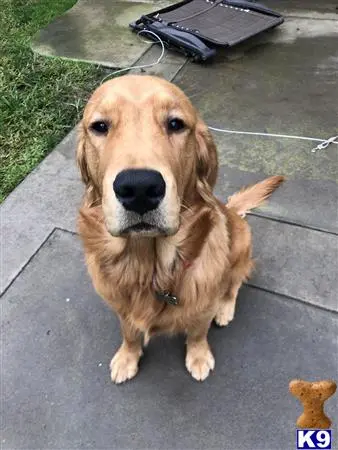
167,297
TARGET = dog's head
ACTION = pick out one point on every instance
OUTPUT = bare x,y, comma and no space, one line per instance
144,154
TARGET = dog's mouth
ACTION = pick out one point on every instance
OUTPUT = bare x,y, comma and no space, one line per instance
143,228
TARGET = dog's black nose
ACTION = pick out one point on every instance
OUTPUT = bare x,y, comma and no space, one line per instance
139,190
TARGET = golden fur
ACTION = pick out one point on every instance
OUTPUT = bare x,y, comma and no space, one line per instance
206,253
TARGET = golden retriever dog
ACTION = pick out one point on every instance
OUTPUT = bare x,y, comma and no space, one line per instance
161,249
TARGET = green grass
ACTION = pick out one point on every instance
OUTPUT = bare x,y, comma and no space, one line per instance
41,99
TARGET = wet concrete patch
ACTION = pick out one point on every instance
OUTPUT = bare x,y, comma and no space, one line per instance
308,8
97,31
273,86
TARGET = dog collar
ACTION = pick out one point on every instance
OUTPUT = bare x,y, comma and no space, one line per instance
167,296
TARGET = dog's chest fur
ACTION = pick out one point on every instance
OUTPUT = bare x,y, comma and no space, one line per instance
192,265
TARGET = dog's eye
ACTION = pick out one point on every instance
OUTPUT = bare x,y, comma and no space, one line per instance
174,125
100,127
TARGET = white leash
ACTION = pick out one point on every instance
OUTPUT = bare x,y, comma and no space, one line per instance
324,143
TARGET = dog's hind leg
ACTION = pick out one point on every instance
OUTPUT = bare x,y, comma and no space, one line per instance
227,305
146,338
124,364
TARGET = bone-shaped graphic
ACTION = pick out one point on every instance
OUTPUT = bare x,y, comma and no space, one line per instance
313,395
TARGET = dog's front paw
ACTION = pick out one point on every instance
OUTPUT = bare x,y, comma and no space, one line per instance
199,362
124,365
225,313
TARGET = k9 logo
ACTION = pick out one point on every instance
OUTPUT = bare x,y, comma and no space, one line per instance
317,439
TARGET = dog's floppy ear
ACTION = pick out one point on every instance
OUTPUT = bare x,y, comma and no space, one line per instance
81,157
92,192
207,161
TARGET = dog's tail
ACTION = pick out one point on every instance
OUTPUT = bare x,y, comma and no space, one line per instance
252,196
